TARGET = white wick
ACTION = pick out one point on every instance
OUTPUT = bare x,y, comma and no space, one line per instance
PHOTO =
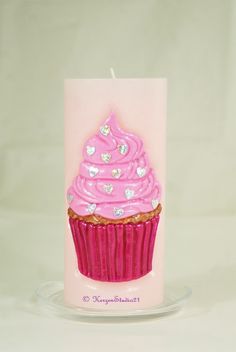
112,73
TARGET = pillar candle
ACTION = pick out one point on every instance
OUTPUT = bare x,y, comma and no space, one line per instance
115,157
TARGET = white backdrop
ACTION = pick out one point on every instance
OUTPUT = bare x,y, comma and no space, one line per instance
192,43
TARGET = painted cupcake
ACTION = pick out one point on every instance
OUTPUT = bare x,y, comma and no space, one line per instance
114,207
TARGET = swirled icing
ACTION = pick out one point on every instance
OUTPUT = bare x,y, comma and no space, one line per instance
115,179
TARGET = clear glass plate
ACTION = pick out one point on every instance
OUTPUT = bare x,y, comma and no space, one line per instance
50,297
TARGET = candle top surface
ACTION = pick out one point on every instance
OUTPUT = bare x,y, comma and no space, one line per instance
115,178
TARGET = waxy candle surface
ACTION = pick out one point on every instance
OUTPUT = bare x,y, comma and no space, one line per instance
140,107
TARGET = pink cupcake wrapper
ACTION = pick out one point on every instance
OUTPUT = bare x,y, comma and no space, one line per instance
114,252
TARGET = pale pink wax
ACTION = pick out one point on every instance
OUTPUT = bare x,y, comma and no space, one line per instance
140,106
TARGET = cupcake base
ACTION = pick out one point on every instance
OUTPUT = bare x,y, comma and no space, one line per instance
114,252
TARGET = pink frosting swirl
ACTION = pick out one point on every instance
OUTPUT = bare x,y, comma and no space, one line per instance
115,179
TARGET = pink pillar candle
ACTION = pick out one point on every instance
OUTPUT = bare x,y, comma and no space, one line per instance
114,170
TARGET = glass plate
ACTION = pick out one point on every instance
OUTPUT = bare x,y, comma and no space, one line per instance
50,297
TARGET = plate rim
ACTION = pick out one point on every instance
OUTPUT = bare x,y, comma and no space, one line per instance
82,312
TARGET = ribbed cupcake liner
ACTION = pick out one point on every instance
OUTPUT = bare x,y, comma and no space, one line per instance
114,252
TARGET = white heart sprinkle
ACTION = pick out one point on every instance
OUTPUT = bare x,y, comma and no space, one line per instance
129,193
116,173
123,149
90,150
118,212
91,208
93,171
108,188
70,197
105,130
155,203
141,171
106,157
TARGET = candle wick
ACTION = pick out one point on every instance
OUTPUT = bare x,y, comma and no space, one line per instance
112,73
